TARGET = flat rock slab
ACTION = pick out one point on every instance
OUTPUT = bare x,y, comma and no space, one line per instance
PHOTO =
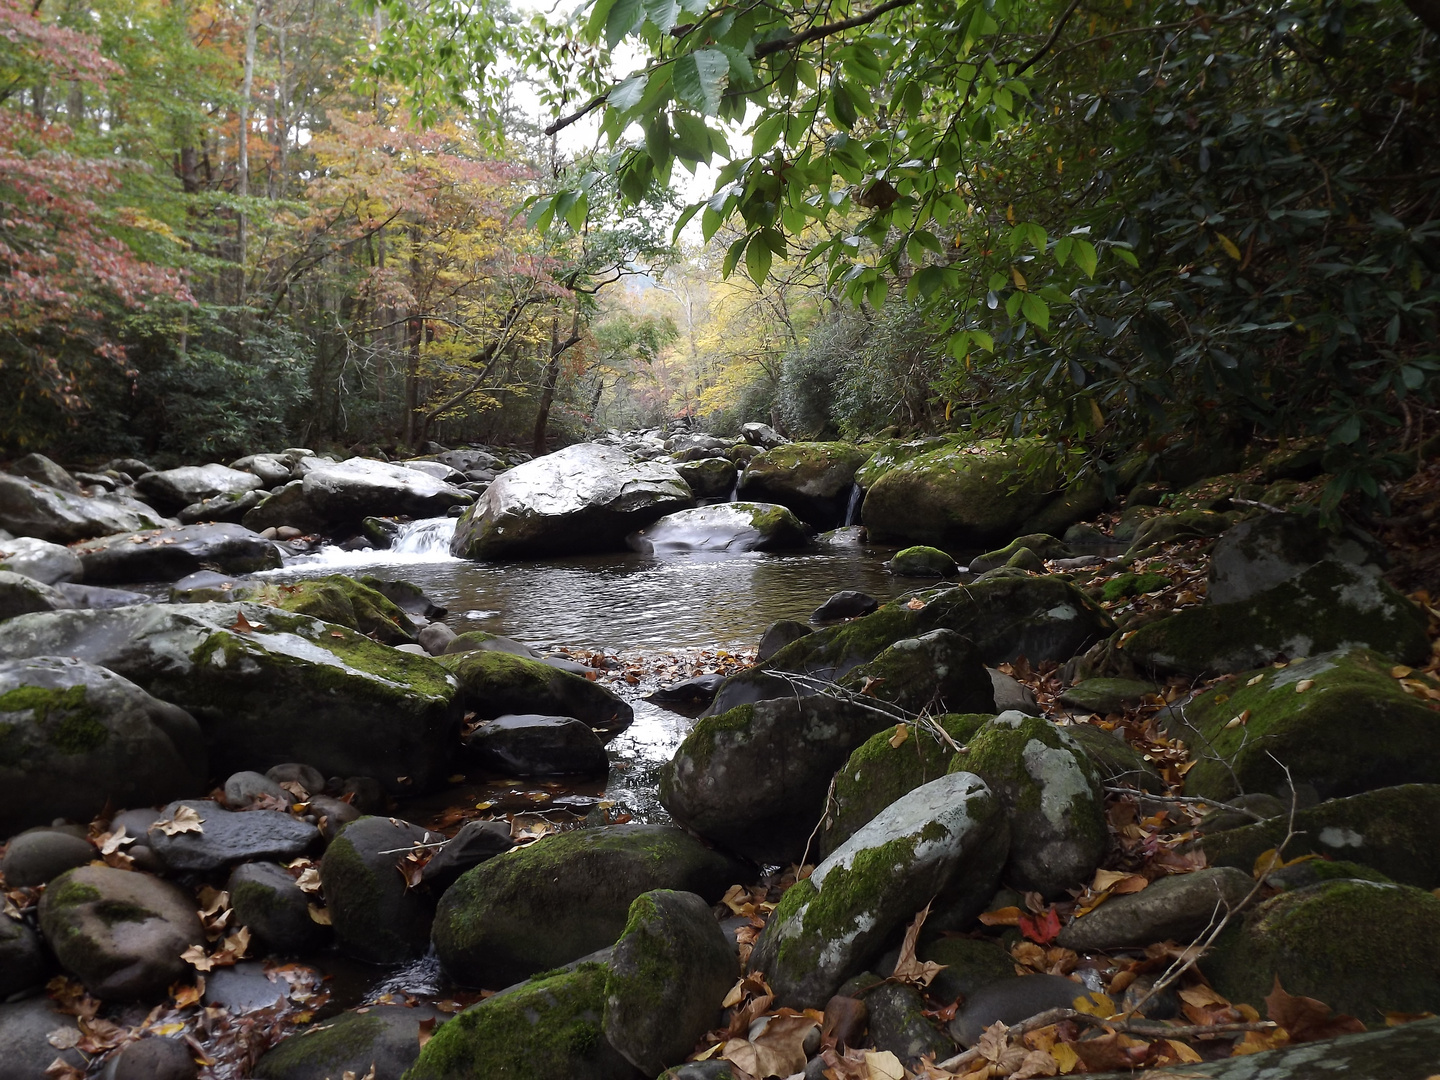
1173,908
170,554
227,837
172,489
385,1038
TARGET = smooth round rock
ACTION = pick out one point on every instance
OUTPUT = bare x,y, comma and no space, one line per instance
846,604
266,898
307,776
533,745
22,958
36,857
152,1058
245,789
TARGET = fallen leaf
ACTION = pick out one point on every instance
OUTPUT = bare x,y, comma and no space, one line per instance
844,1023
1005,916
1306,1019
779,1050
1303,685
319,914
188,995
1109,1051
915,604
902,732
186,819
907,968
64,1038
1036,1063
198,958
309,880
1043,928
884,1065
244,625
1257,679
427,1029
994,1046
1183,1053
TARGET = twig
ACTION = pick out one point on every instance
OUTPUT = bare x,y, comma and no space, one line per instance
1257,502
1186,799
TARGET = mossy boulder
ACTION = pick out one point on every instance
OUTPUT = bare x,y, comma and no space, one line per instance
170,554
1264,551
1105,695
266,898
1115,759
495,683
535,908
670,970
1362,947
1390,829
546,1029
1124,586
120,932
897,1023
75,737
384,1039
377,917
888,454
1331,606
1148,527
339,599
1051,795
887,766
1042,545
1338,721
814,479
969,965
936,672
975,495
268,686
832,924
923,562
754,779
709,477
724,527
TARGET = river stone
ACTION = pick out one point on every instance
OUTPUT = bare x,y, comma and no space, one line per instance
497,684
1052,797
345,492
969,964
897,1023
762,435
544,1030
379,1039
586,497
151,1058
480,641
846,604
39,559
729,527
271,687
97,597
833,923
1270,549
541,906
1312,733
755,778
972,496
285,507
878,773
473,844
376,917
244,789
229,837
41,469
119,932
937,672
20,595
1040,545
1105,696
1010,1001
22,957
689,697
272,469
779,634
294,772
75,737
338,599
1175,908
40,855
670,970
708,477
814,479
922,561
38,510
1332,606
470,459
172,489
436,470
266,898
170,554
25,1048
1364,948
537,746
435,637
1117,761
1390,829
222,508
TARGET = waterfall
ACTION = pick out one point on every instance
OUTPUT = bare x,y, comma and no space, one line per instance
852,510
427,538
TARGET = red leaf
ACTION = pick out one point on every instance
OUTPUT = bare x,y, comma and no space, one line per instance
1043,928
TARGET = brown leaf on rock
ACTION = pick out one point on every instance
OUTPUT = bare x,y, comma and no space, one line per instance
1110,1051
779,1050
844,1023
1306,1019
186,819
907,968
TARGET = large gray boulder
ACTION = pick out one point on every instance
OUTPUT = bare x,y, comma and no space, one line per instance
171,554
586,497
172,489
31,509
74,737
268,686
732,528
285,506
272,469
39,559
41,469
498,683
814,479
26,1051
119,932
344,492
20,595
1268,550
537,907
537,746
832,924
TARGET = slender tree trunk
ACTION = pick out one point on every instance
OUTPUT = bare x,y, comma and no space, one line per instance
247,84
552,376
416,328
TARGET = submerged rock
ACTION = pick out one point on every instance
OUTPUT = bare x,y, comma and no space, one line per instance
729,527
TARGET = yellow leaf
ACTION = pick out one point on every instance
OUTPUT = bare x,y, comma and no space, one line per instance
1185,1053
1229,246
185,819
1018,278
1257,679
1065,1057
319,914
1095,1004
901,734
1303,685
195,955
884,1066
1400,671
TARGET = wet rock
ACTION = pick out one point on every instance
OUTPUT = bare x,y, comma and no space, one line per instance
922,561
1010,1001
1052,798
173,489
335,598
267,685
244,789
970,964
96,597
407,596
533,745
331,815
119,932
435,638
1175,908
708,477
689,697
1364,948
670,970
286,507
1390,829
78,737
814,479
170,554
937,672
20,595
779,634
846,604
1312,732
578,886
23,964
266,898
1040,545
311,779
473,844
41,560
243,988
38,510
375,916
1270,549
151,1058
1332,606
25,1048
229,837
345,492
545,1029
40,855
1116,760
754,778
496,684
382,1038
1105,696
724,527
480,641
898,1024
586,497
833,923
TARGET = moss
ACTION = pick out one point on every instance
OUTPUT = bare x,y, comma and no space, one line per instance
66,892
654,973
1119,588
922,561
699,745
496,683
111,912
62,717
318,1048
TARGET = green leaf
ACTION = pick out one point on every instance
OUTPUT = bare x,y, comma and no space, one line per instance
663,13
1062,250
599,14
542,210
576,215
1085,257
740,69
732,256
710,223
1036,310
698,76
628,94
624,17
757,258
1125,255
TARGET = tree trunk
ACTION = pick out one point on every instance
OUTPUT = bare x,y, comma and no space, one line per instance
243,152
547,388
